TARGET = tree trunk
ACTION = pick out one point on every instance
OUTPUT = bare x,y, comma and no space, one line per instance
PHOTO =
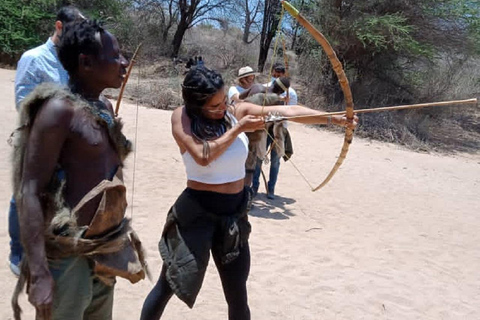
262,58
165,35
295,29
294,38
178,37
271,18
246,32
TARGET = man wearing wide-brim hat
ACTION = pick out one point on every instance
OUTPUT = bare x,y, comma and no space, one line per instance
245,79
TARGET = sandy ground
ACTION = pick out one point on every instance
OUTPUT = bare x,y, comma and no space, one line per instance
394,235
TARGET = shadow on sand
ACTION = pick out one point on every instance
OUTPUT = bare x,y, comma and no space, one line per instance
271,209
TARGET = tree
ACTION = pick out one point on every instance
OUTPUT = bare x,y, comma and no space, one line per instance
271,18
192,12
247,13
157,16
296,25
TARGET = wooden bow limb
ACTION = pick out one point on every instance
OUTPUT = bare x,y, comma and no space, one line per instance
401,107
122,89
342,79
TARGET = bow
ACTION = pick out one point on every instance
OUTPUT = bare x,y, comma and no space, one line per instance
342,79
124,83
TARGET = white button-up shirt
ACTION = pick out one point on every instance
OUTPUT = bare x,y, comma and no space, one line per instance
36,66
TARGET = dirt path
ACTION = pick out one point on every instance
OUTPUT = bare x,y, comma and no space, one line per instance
394,235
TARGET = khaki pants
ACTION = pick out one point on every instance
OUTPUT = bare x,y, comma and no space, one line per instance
79,295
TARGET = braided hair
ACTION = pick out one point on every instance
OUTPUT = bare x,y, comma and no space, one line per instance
199,85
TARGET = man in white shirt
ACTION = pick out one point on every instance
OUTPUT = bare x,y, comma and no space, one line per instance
245,79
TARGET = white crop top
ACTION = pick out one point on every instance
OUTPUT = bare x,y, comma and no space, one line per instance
228,167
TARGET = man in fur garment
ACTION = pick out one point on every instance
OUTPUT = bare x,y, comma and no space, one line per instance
68,155
37,65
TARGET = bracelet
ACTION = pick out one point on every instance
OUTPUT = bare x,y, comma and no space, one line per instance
206,150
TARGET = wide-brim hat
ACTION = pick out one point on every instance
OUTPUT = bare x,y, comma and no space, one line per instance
245,72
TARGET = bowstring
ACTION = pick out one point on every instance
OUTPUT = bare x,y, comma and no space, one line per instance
136,144
285,57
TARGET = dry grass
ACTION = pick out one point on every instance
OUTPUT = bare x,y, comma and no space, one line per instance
443,129
455,128
156,86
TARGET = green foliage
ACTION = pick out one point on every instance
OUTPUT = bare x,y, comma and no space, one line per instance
105,10
22,24
389,32
25,24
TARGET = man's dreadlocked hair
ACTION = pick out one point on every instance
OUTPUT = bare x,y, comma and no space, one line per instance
199,85
79,38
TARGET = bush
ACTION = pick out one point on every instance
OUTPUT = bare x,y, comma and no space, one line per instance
23,25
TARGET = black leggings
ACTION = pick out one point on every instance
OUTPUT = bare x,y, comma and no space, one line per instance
234,282
233,275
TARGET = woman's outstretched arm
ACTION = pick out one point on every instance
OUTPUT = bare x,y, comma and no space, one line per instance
243,109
